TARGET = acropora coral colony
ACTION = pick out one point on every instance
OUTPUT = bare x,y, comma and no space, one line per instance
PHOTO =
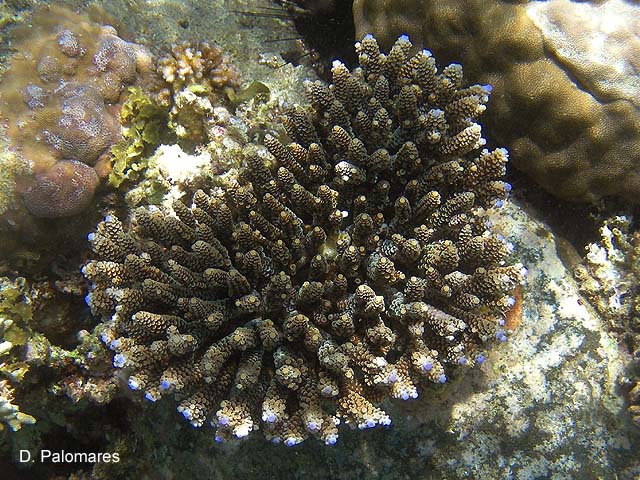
353,264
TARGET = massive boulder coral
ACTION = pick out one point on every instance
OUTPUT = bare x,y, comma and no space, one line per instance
60,98
352,265
569,110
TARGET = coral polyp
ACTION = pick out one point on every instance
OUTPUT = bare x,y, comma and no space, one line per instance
353,264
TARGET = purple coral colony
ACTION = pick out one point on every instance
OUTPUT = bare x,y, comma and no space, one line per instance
62,98
351,264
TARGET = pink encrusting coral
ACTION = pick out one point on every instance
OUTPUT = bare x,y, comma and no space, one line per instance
61,98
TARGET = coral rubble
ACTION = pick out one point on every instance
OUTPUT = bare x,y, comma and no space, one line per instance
15,313
570,114
352,265
60,96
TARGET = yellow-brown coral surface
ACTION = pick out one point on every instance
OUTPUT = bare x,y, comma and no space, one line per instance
60,98
352,265
568,108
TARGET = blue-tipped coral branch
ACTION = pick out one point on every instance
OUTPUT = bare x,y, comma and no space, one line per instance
353,265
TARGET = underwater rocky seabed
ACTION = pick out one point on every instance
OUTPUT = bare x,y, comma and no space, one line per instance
544,405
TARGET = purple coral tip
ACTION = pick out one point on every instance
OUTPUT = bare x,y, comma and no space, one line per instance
91,236
393,377
331,439
427,366
385,422
150,397
507,187
87,299
276,440
118,360
312,426
501,336
165,385
462,361
224,420
368,36
499,203
488,88
271,417
133,384
218,439
404,37
371,423
404,395
442,378
290,442
481,358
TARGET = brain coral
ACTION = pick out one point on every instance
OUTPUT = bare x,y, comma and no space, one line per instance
60,98
352,265
569,108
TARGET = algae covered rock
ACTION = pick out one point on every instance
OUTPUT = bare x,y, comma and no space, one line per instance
566,71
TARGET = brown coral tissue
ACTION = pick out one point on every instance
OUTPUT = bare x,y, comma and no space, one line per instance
352,265
60,98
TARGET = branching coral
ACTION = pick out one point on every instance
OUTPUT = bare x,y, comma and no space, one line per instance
196,78
353,265
10,414
58,96
610,279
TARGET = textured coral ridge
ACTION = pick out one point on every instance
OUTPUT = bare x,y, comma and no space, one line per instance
353,265
60,97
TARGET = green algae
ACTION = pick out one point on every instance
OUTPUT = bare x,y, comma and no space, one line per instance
256,90
143,126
